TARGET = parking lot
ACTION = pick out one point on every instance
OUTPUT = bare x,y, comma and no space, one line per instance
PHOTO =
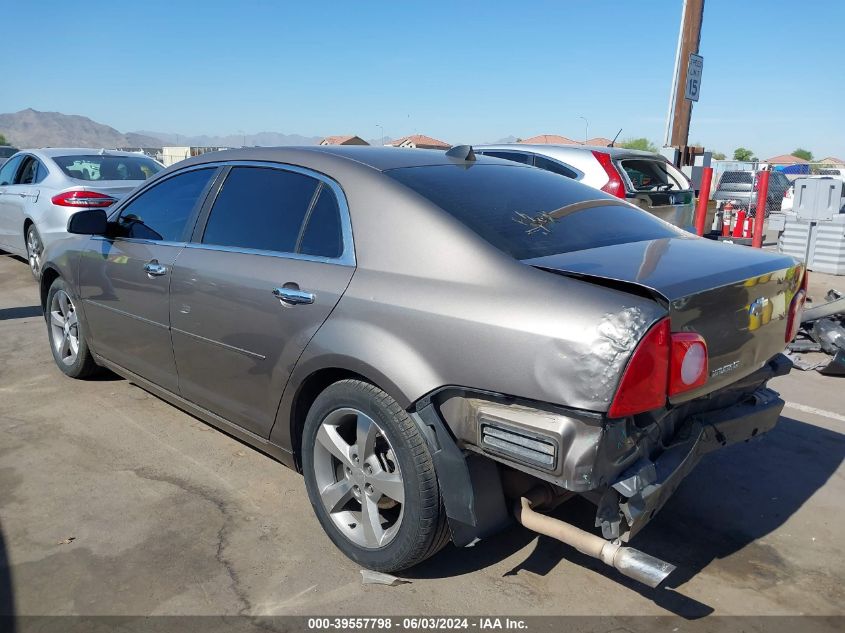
114,502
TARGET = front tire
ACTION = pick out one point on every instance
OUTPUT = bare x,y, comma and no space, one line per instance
370,478
66,332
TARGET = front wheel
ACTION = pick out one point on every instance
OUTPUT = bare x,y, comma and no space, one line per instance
67,333
371,479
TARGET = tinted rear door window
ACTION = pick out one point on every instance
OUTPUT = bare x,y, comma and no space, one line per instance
516,157
322,236
511,207
260,208
162,211
553,166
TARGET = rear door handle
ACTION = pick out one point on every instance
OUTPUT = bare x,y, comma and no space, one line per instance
293,296
154,269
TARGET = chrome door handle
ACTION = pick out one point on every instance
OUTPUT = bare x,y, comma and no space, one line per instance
154,269
293,296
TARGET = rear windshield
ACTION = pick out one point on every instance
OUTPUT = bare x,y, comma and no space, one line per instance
8,152
106,167
510,207
730,177
653,175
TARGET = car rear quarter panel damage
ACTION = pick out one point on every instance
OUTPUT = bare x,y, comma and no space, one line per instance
449,309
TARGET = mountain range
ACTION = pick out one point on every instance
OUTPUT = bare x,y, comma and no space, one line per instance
32,128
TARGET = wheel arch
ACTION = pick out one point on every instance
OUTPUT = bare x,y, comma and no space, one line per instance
49,274
308,381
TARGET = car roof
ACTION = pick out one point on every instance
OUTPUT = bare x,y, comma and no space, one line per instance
562,150
378,158
50,152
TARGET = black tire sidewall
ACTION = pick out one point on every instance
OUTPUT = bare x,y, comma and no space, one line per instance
403,550
79,367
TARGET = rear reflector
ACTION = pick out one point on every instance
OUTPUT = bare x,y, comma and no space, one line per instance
82,199
524,448
614,184
643,385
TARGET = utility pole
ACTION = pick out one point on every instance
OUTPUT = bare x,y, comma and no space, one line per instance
680,109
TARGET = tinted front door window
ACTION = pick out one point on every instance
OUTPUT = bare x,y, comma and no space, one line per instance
162,212
260,208
7,173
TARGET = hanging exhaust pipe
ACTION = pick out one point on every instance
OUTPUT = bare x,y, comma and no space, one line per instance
628,561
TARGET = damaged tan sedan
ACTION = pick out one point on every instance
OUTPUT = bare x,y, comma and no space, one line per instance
440,343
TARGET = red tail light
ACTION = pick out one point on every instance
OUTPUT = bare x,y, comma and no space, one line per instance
663,365
643,385
614,185
796,308
82,199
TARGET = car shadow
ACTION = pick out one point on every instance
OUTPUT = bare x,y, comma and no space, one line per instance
7,597
20,312
734,497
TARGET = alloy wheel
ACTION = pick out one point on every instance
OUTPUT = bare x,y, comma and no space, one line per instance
358,478
64,327
34,249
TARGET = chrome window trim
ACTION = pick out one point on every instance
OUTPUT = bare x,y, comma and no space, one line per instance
156,180
347,257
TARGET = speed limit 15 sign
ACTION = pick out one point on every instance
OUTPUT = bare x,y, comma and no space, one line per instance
693,87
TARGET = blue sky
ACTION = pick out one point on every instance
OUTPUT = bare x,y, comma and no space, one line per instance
461,71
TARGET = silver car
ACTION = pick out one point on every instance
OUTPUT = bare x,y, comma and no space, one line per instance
40,189
440,343
642,178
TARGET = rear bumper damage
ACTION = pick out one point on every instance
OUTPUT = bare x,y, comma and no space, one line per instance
628,467
640,491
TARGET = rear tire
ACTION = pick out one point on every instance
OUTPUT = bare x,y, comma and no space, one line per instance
371,479
34,251
66,333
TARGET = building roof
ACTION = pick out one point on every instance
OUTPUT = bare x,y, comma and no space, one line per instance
549,139
420,140
599,141
786,159
832,160
343,140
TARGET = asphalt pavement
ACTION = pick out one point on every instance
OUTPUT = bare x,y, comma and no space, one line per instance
114,502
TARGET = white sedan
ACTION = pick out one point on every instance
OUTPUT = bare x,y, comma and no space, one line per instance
41,189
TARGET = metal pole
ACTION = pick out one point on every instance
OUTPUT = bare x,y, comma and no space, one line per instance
674,88
381,127
703,200
760,216
586,128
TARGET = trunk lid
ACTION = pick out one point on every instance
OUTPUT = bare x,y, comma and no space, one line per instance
736,297
117,189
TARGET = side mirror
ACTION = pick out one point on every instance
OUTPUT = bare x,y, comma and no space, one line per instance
88,222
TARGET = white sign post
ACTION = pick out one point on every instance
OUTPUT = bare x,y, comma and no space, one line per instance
693,87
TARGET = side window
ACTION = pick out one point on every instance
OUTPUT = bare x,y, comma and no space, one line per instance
551,165
322,235
516,157
7,172
260,208
42,172
26,176
162,211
